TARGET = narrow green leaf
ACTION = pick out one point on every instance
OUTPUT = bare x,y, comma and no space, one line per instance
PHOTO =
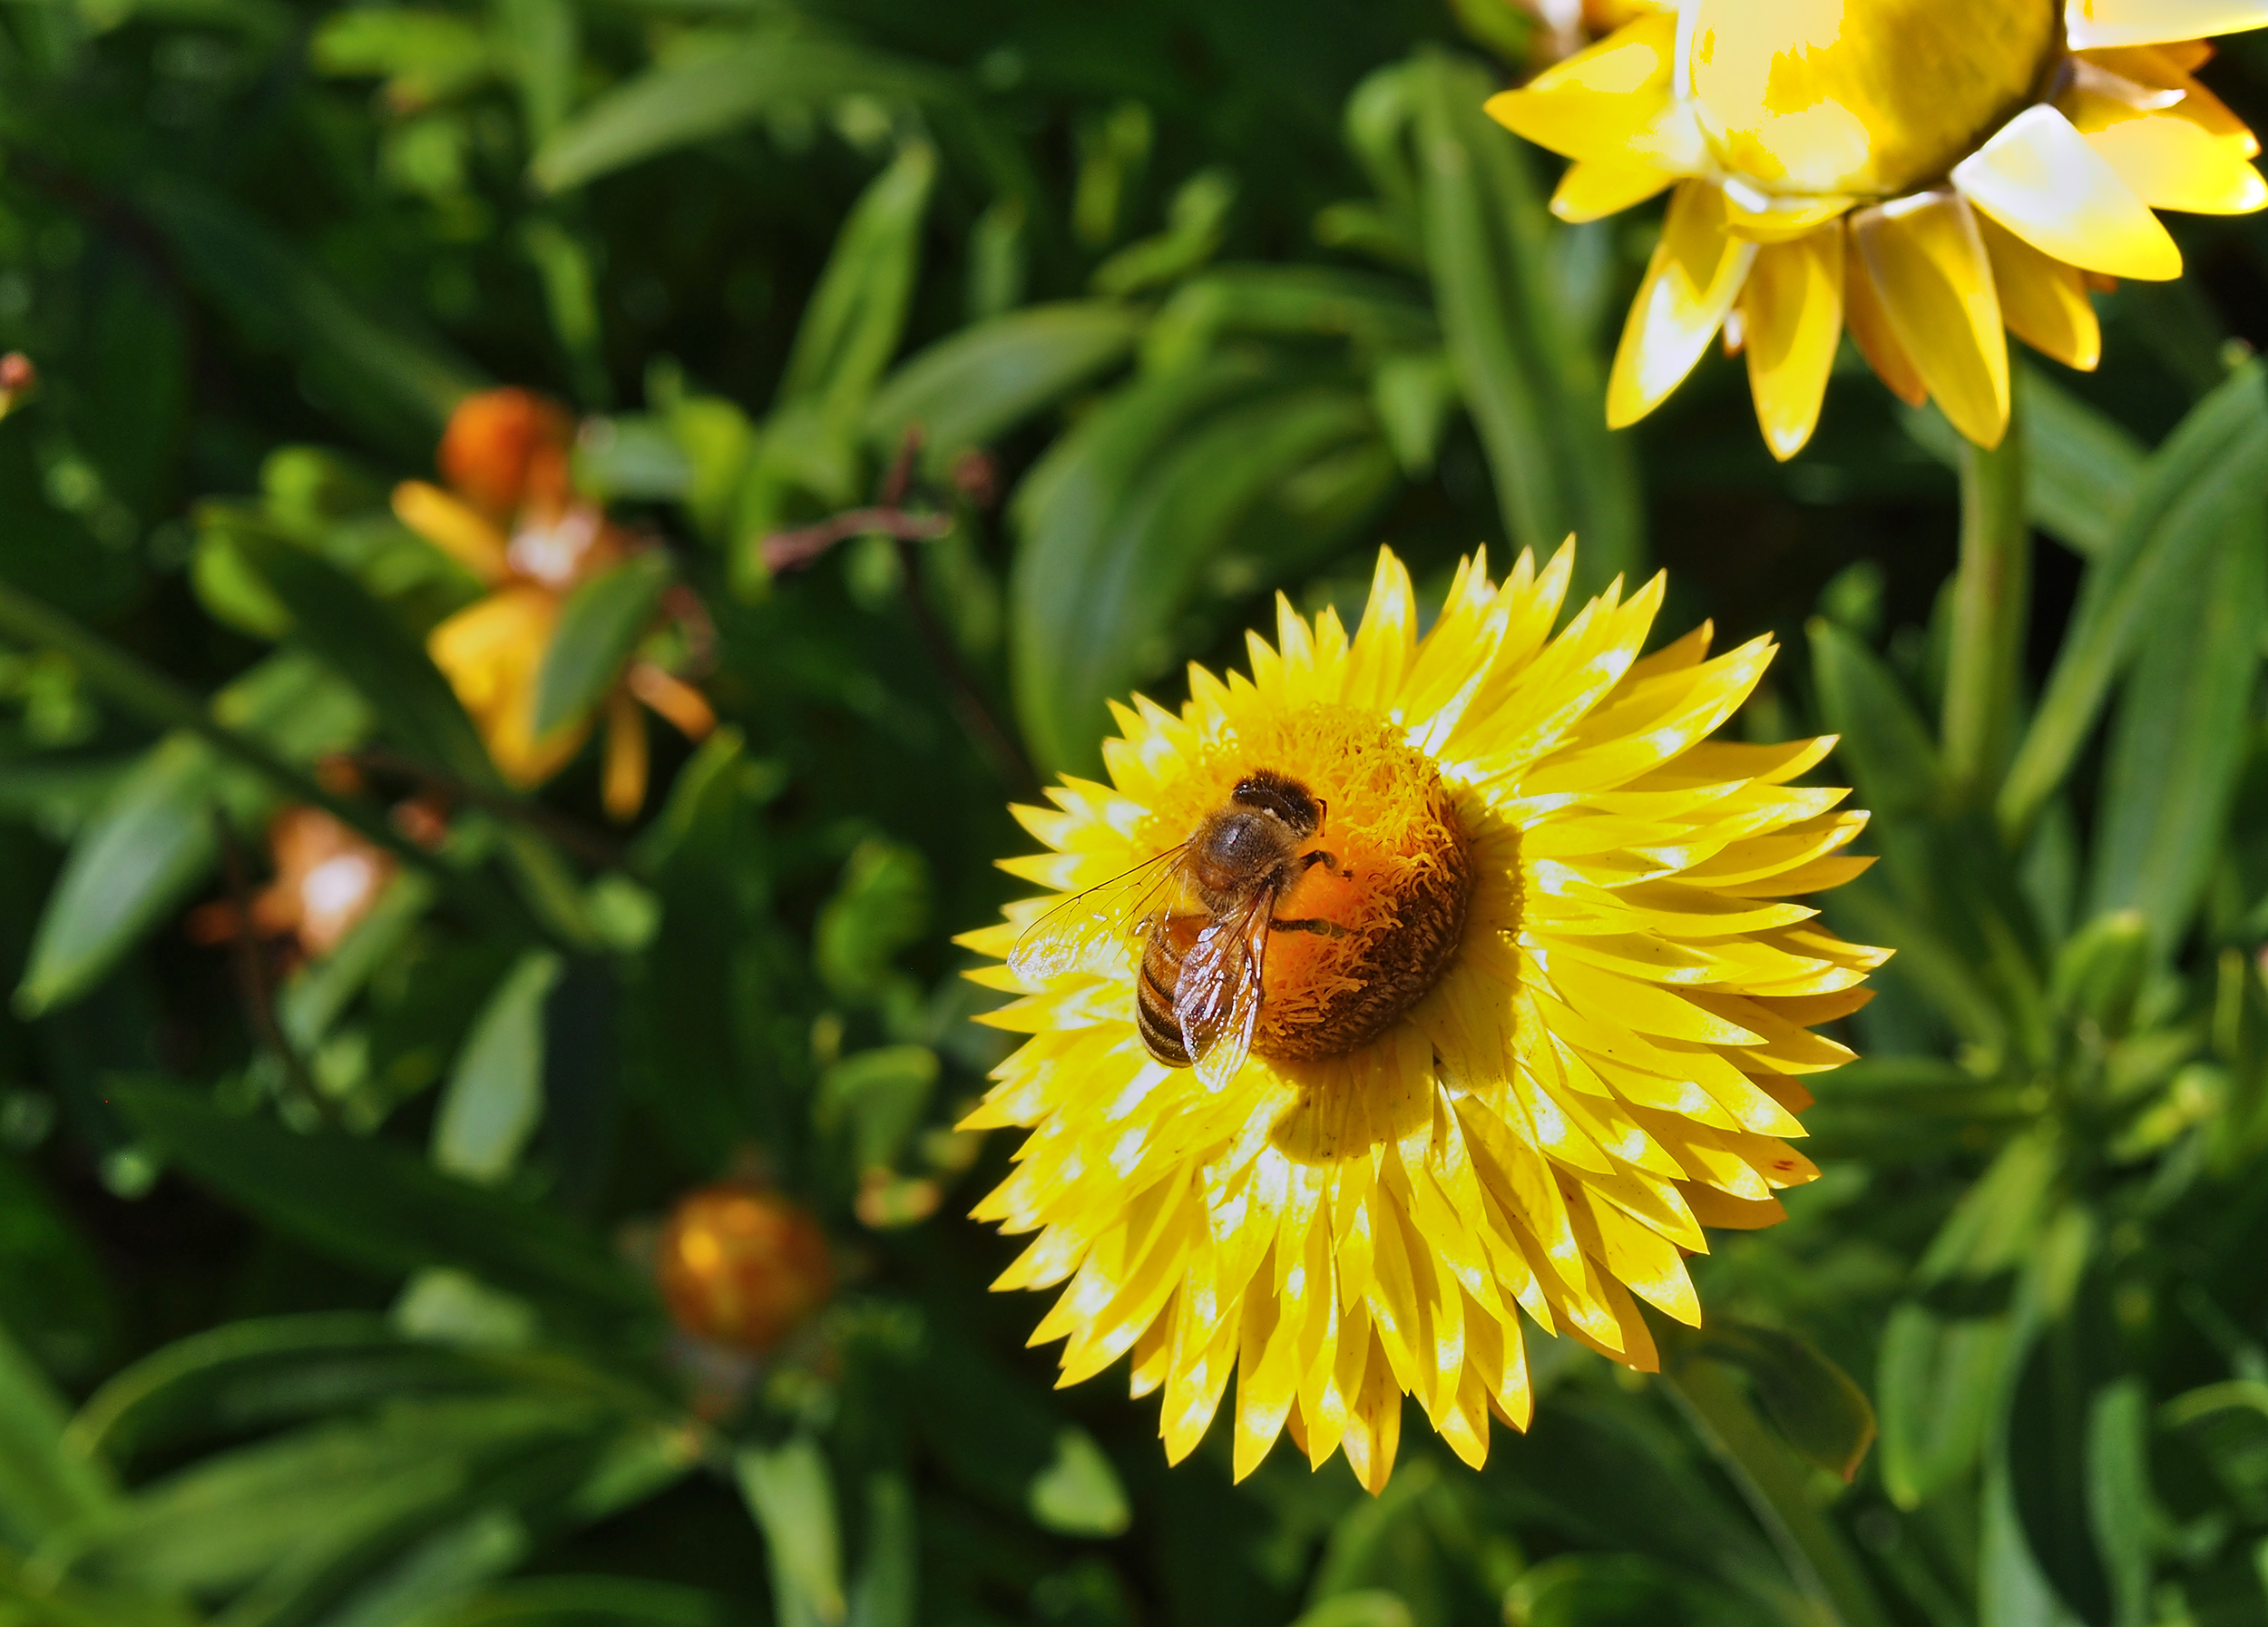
2180,724
886,1591
1378,316
1535,391
1197,221
1817,1406
397,379
495,1097
1364,1607
335,619
382,1207
715,86
978,383
132,866
1881,737
586,1602
600,627
1079,1494
853,321
1123,515
790,1492
438,1572
2119,1502
44,1486
876,1100
428,56
2206,478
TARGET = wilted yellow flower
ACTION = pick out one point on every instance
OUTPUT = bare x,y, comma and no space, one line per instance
1531,1007
1924,173
515,522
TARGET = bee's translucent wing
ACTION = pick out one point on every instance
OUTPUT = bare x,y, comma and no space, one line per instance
1217,996
1086,930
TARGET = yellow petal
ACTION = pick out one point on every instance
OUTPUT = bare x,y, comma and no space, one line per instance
1929,265
2170,162
1870,330
1695,275
2039,179
624,781
1794,306
2140,75
1598,102
454,527
1595,187
1767,219
2043,301
2095,24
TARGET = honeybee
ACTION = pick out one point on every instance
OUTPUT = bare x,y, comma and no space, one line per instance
1203,912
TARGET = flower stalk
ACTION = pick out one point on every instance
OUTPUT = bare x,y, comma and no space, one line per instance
1985,667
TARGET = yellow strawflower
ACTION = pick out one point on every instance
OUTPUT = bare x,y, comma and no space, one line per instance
1536,1020
1923,172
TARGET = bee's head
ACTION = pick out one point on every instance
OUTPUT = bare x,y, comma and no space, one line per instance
1281,795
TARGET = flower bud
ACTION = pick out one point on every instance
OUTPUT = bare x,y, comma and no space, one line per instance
506,449
743,1266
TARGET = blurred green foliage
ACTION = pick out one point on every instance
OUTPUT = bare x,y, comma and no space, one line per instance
320,1293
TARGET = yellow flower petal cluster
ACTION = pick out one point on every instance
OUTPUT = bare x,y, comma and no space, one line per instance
1929,174
1607,1063
512,517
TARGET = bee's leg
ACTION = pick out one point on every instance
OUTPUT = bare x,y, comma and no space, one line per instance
1308,861
1315,924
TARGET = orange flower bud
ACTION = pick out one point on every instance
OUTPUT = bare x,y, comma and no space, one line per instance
506,450
743,1266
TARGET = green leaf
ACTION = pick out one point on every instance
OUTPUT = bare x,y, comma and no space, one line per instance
879,1097
495,1097
1196,221
426,55
715,86
312,998
2119,1502
1536,389
789,1491
1378,317
2204,481
154,839
1123,515
444,1568
132,866
1079,1494
337,620
2180,724
2099,972
397,379
1817,1406
855,315
1363,1607
1882,738
886,1592
975,384
600,627
44,1486
382,1208
586,1602
880,907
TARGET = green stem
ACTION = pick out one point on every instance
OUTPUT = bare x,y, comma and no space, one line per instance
1990,595
157,699
1777,1483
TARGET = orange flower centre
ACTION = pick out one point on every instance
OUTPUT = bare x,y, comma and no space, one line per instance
1865,97
1372,930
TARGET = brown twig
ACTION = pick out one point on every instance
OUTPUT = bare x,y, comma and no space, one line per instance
570,834
790,550
251,979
